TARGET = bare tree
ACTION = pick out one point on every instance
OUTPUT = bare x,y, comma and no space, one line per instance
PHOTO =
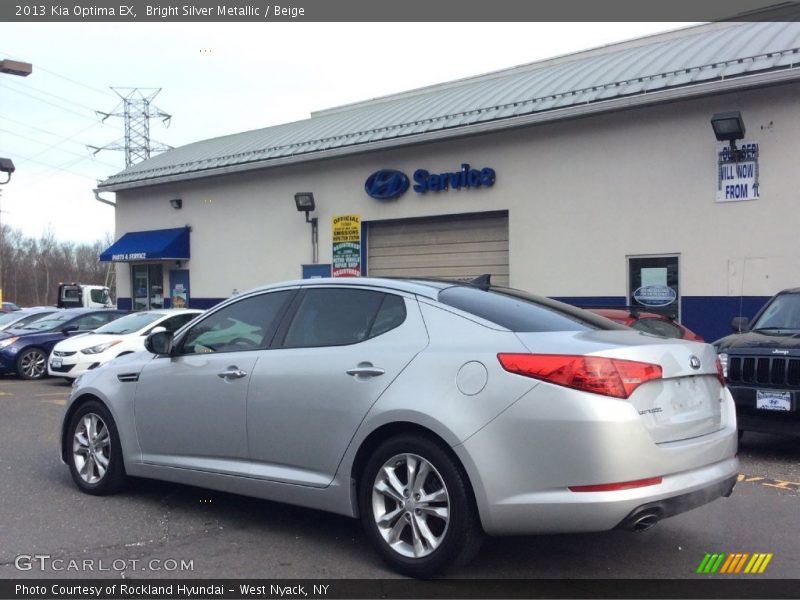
33,267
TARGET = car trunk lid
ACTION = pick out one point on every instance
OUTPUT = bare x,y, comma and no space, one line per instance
684,403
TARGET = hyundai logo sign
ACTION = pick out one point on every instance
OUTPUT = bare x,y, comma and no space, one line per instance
386,184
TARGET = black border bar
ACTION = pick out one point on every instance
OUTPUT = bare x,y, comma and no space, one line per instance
732,587
444,11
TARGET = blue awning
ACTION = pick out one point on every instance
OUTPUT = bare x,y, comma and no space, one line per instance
159,244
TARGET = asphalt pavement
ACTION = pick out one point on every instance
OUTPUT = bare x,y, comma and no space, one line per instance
48,529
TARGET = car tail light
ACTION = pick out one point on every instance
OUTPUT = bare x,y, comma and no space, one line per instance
613,487
720,372
595,374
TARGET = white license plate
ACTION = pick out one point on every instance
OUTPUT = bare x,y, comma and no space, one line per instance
56,363
766,400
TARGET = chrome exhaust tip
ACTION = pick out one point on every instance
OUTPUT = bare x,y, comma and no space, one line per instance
645,522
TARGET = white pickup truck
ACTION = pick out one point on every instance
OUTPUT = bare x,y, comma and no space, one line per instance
77,295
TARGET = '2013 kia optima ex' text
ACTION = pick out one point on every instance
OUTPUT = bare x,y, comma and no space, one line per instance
432,411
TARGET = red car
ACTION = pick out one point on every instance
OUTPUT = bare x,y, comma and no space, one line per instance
647,322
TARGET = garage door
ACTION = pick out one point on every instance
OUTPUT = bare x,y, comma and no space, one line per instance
454,247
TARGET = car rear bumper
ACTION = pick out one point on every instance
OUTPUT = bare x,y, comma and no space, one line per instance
564,511
523,464
643,516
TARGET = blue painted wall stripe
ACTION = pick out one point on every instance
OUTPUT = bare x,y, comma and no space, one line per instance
199,303
711,316
204,303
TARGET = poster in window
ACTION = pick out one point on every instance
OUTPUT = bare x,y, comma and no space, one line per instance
346,246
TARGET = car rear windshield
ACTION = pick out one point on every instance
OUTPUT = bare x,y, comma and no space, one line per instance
520,311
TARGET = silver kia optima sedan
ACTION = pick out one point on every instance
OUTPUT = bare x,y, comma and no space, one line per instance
433,411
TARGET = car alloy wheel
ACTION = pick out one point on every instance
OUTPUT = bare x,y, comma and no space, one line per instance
91,448
94,453
417,508
32,364
410,505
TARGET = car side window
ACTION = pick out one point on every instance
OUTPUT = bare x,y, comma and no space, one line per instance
391,314
337,317
176,322
243,325
99,296
658,327
28,319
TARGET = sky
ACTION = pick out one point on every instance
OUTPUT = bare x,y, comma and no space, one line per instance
217,79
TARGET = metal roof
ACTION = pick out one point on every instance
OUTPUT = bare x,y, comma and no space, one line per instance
648,70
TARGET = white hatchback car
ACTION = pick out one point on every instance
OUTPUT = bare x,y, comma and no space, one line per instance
75,355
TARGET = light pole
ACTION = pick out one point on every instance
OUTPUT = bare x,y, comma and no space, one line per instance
22,69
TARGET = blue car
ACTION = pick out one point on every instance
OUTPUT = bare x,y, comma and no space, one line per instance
24,351
20,318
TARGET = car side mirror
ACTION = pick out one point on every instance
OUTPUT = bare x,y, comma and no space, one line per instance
158,329
740,324
69,329
159,343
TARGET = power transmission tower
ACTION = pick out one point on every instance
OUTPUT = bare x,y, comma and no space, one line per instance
137,110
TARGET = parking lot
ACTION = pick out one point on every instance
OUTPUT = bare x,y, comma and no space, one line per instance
158,530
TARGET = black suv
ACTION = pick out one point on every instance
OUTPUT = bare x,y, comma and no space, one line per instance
762,366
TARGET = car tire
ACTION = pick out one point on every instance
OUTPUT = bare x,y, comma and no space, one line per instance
94,453
32,364
740,434
410,533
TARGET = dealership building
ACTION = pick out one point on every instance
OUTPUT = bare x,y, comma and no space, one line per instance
595,178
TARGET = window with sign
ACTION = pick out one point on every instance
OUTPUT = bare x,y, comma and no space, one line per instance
653,284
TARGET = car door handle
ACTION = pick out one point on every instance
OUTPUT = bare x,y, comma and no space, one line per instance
365,369
232,373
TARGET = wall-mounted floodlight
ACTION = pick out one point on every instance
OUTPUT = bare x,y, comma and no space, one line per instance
7,166
304,201
15,67
728,127
176,203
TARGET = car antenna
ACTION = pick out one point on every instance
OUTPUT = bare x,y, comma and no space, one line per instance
482,281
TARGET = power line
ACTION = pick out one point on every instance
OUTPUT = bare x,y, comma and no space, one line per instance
59,168
64,77
51,147
55,169
18,85
48,102
69,138
47,132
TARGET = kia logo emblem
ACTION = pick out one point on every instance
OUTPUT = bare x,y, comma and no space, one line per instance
694,362
386,184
